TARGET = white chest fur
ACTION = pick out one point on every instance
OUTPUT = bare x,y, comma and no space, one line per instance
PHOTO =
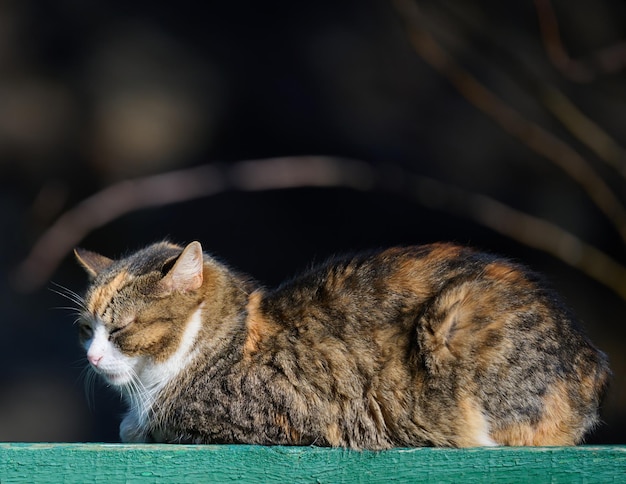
152,377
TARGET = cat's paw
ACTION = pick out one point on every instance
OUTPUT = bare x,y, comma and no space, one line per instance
132,432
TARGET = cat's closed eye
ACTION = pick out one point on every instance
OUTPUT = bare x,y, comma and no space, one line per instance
124,324
114,331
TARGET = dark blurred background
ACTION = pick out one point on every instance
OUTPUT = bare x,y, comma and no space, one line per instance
95,93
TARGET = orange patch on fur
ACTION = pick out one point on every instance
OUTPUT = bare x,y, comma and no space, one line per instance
474,429
406,278
258,326
103,294
283,423
333,435
415,274
592,382
444,251
505,273
558,425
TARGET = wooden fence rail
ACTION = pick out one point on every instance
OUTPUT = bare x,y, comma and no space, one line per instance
112,463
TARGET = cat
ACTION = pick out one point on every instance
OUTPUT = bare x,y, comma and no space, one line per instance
434,345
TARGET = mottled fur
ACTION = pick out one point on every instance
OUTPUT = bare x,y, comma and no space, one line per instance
431,345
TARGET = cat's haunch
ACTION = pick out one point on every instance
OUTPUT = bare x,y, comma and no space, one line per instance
429,345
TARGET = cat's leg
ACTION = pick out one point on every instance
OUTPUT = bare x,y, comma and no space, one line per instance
558,424
131,431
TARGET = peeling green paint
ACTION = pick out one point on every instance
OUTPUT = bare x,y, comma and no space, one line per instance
112,463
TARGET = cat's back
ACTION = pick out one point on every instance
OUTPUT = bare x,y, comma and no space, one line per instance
482,333
362,287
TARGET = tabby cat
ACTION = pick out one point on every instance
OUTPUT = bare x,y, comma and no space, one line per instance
435,345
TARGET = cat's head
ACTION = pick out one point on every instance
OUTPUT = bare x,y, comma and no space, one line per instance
136,309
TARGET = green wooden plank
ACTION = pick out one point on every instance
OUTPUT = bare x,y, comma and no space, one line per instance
112,463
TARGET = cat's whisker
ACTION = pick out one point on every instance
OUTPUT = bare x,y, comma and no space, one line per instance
80,363
78,314
69,294
64,308
133,391
90,388
139,398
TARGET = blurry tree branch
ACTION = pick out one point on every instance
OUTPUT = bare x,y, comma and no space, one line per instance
103,207
523,69
585,129
531,134
176,186
293,172
605,61
526,229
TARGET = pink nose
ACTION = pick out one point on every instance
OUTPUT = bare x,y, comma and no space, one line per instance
94,359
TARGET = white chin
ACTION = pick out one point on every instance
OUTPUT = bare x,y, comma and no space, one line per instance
116,379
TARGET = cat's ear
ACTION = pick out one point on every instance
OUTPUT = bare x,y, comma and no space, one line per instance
186,273
92,262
